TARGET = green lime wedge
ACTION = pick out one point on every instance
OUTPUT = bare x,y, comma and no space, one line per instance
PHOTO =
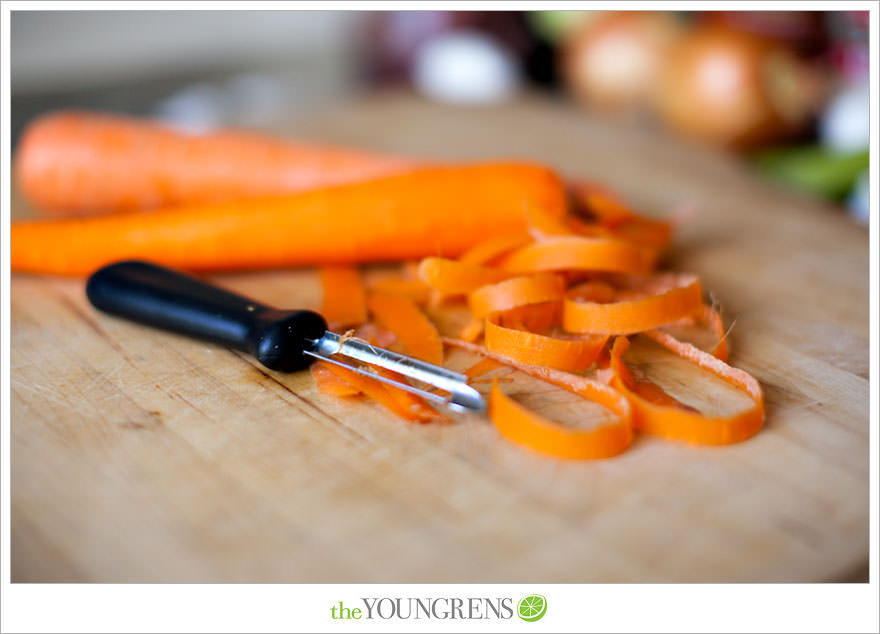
532,607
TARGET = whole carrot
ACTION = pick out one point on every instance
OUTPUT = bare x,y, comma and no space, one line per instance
80,163
438,211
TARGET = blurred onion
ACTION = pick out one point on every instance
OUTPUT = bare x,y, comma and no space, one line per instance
612,60
736,89
845,125
465,67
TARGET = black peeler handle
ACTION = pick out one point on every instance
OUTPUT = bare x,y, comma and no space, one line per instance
160,297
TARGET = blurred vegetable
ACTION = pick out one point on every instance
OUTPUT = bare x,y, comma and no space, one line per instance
81,163
798,30
845,124
736,89
814,169
613,60
395,37
554,26
465,67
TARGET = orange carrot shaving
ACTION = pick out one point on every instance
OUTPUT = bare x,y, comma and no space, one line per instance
519,291
646,233
485,252
413,329
387,395
548,305
331,383
481,367
472,330
414,290
668,298
449,276
601,203
407,401
578,253
570,355
345,301
661,417
543,225
518,424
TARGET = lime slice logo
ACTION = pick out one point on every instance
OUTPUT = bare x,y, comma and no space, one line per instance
532,608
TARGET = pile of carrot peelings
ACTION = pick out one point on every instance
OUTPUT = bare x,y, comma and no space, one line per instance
559,303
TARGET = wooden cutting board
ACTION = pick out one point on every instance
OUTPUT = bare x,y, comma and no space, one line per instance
142,456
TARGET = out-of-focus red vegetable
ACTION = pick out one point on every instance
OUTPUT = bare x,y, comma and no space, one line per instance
613,60
736,89
802,31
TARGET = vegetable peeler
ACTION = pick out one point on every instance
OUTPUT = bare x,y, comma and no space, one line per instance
283,340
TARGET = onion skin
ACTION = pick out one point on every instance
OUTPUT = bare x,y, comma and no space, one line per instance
735,89
612,60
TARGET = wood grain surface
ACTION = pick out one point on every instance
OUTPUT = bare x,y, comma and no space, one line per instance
143,456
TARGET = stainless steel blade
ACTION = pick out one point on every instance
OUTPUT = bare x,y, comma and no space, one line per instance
460,396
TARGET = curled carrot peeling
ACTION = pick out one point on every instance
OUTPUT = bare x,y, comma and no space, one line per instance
655,414
400,402
488,250
413,329
555,303
665,298
414,290
570,355
579,253
519,291
450,276
331,383
518,424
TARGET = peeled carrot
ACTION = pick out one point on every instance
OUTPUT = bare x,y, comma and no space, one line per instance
427,212
78,163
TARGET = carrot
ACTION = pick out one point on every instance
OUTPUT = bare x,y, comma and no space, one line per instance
579,254
345,300
76,163
663,299
395,399
413,329
569,355
519,291
493,247
516,286
521,426
449,276
654,414
329,382
433,211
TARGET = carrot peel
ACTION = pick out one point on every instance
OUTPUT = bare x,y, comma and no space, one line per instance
655,414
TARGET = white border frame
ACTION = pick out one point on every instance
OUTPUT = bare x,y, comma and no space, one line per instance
304,607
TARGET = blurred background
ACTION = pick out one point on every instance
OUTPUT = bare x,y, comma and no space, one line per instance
786,91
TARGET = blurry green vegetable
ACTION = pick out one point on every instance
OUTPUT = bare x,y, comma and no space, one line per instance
814,169
552,26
